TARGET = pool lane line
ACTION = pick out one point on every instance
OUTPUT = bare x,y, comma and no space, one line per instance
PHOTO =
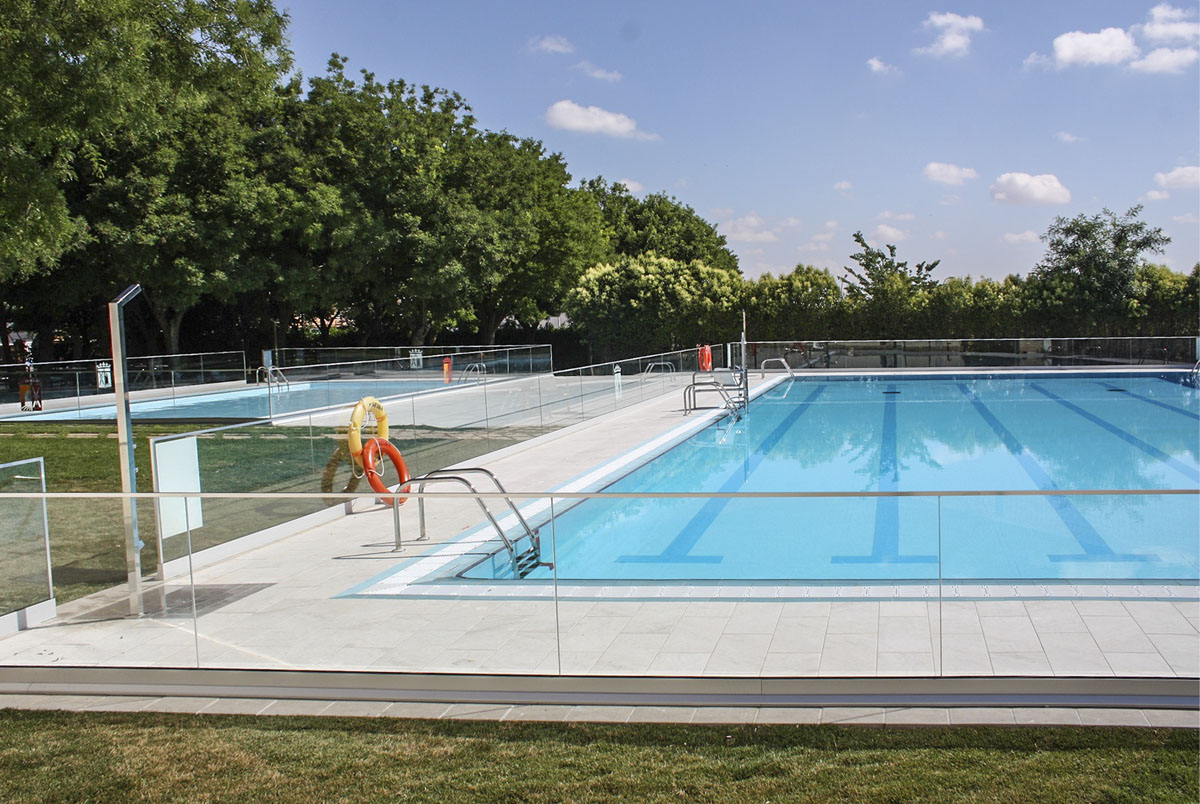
1093,544
885,542
1151,450
679,550
1150,401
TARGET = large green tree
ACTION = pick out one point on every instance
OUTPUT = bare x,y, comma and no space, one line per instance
1086,282
885,296
79,74
658,223
639,305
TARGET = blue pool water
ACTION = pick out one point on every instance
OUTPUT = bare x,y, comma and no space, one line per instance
248,403
1104,431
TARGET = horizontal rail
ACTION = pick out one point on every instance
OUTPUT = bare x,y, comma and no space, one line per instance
587,495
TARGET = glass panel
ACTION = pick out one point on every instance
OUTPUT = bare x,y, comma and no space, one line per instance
1096,584
24,538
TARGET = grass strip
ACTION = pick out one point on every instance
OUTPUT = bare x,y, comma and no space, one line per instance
120,757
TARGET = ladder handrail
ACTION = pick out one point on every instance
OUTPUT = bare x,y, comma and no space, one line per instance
272,374
456,476
780,361
478,368
666,363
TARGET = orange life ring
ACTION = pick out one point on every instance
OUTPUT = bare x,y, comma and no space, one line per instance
706,358
369,453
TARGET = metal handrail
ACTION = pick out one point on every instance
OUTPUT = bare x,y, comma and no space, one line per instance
456,476
272,374
1194,375
670,366
477,368
780,361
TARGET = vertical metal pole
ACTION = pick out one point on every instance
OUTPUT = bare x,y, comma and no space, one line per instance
396,519
125,446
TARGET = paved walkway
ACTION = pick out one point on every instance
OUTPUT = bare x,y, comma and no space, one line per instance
847,716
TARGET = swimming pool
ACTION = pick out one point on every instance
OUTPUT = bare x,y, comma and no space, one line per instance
247,403
1044,432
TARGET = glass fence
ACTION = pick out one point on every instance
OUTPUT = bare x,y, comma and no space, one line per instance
498,359
81,384
309,452
978,353
25,578
789,584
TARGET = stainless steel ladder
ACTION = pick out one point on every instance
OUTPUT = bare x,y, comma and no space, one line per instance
732,402
780,361
272,374
524,561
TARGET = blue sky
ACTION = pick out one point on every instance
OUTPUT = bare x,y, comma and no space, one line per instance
956,131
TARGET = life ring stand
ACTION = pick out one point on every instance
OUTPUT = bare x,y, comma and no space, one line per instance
371,451
368,404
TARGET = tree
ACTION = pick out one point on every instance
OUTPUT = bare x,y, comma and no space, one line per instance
658,223
800,304
884,295
644,304
1087,277
76,74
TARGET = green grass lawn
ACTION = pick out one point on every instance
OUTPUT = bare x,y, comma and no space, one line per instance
105,757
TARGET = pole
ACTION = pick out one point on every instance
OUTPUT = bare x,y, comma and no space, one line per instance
125,446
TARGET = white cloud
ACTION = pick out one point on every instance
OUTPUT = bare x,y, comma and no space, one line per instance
1067,137
950,200
1036,60
1110,46
939,235
888,215
1022,188
944,173
882,68
571,116
552,44
1168,24
1181,178
790,223
749,229
598,73
1026,236
1166,60
843,186
954,34
1156,195
820,241
889,233
1186,217
633,186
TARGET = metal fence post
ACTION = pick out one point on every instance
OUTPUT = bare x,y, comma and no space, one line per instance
125,446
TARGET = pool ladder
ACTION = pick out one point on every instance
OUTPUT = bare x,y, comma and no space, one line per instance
473,370
1194,375
733,393
272,374
780,361
524,561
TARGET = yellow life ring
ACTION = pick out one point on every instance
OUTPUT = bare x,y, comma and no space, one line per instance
368,404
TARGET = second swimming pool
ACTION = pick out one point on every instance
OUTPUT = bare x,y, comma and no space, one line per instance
1108,431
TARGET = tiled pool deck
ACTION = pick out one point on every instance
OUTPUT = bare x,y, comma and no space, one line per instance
284,605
